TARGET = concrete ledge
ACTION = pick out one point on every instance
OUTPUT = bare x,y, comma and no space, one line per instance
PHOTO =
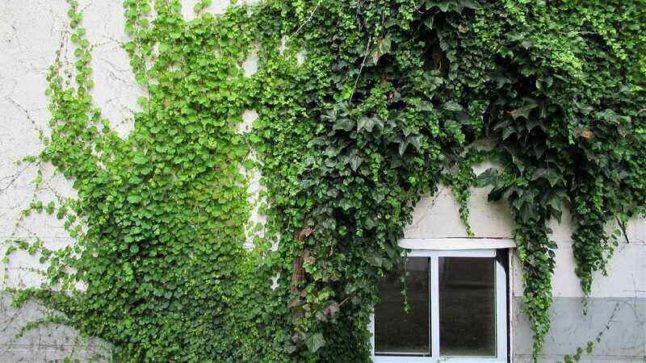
456,243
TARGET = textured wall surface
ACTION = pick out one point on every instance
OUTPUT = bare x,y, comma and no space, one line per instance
32,31
617,306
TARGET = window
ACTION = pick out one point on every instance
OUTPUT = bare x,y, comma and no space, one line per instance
457,309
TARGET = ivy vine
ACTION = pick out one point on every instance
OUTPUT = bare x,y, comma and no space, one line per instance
393,98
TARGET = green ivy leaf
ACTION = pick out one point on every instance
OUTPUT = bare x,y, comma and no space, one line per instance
315,342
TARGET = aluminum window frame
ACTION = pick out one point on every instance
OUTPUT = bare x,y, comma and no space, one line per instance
501,288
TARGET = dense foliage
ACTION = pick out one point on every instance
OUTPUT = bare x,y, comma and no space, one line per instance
393,98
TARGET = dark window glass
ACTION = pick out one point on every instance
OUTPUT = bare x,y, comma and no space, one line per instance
395,330
467,306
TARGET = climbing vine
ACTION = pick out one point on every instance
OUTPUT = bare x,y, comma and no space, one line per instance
363,106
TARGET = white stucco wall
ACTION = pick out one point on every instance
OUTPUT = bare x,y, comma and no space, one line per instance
31,31
438,217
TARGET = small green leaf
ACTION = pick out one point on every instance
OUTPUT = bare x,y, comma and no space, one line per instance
344,124
315,342
134,198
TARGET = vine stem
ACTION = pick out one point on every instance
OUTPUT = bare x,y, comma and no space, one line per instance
308,18
363,63
622,226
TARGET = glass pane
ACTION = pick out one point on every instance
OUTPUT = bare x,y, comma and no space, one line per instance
467,306
395,330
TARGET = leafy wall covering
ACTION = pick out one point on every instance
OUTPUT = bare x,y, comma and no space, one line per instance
363,107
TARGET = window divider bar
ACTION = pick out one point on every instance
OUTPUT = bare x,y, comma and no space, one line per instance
435,307
501,311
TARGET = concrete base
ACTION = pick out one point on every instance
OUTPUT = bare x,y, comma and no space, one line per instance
49,342
622,321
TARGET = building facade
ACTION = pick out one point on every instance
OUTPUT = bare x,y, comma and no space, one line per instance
31,32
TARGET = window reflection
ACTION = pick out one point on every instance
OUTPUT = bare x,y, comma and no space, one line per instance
395,330
467,306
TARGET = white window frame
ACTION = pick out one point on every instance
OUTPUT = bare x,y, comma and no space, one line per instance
501,311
